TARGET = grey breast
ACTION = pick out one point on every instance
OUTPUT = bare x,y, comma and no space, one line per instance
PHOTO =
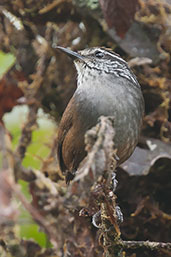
109,96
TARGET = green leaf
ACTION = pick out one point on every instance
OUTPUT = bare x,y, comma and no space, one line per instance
6,61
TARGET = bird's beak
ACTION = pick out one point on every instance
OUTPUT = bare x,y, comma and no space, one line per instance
70,53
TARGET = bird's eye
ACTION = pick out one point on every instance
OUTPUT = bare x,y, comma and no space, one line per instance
99,54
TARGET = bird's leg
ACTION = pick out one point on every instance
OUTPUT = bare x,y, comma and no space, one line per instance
96,218
119,214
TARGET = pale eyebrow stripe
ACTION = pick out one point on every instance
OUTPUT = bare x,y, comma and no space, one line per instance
114,55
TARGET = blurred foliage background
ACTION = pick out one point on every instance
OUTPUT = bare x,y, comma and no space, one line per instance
6,61
36,83
36,151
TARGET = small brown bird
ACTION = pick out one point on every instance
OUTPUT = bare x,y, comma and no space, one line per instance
105,86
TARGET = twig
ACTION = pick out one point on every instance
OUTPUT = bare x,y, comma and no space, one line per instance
126,245
4,145
27,130
34,212
33,95
101,131
99,144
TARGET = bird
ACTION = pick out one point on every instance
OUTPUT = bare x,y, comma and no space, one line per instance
106,86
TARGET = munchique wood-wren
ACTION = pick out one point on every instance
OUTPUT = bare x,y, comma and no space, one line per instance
105,86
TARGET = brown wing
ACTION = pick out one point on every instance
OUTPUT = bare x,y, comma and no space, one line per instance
71,147
64,127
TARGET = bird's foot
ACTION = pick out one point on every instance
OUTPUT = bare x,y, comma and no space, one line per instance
119,214
96,218
114,182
